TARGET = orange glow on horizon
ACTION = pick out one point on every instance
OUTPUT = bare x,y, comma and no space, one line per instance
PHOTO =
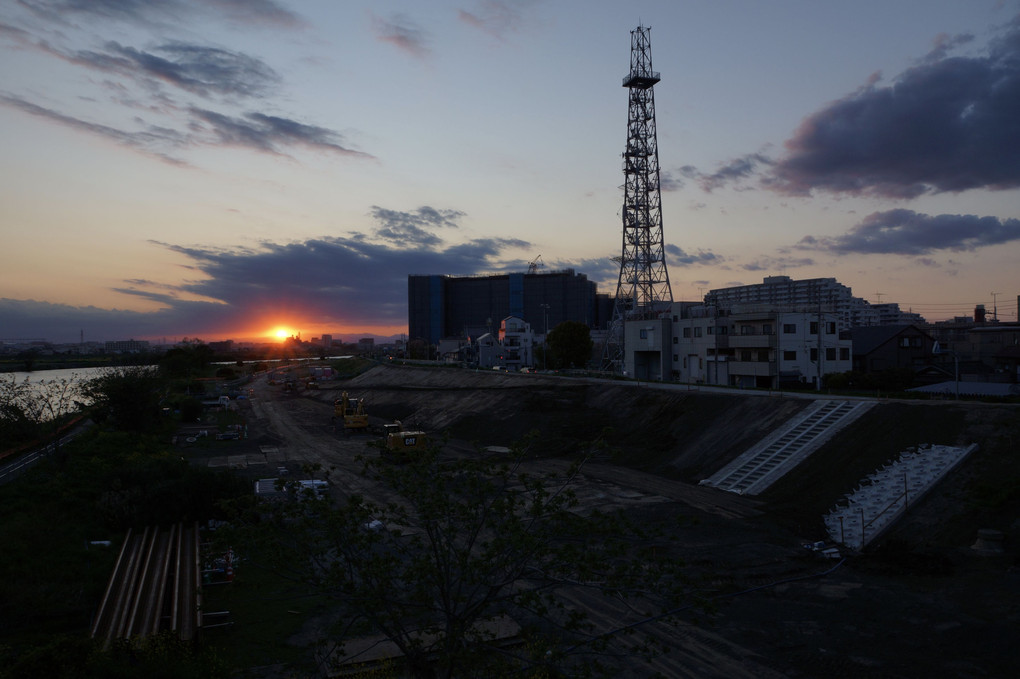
275,333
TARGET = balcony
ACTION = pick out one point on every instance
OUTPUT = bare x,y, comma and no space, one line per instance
753,341
752,368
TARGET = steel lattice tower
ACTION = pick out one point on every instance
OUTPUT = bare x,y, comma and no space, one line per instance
643,288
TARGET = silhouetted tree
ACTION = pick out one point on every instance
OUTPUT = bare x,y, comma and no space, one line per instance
30,409
126,398
466,549
570,345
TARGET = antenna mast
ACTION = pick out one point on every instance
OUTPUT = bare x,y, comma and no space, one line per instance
642,290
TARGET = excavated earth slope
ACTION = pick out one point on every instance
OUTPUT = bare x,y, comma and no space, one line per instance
918,602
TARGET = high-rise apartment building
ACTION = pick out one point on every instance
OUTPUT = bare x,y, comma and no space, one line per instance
809,294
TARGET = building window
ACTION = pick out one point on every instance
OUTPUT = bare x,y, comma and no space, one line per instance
697,331
723,330
814,355
746,330
830,328
844,354
830,353
674,358
675,339
766,329
789,355
643,333
745,355
789,328
685,362
687,332
711,330
813,328
763,355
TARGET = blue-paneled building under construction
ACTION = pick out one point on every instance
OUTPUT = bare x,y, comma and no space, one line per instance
441,307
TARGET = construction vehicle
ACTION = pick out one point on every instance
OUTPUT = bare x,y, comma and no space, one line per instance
350,412
400,443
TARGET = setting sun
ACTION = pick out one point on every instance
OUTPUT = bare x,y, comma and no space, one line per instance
281,333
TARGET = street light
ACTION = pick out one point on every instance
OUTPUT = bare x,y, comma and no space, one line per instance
545,337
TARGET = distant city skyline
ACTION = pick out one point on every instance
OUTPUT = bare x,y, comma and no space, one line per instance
224,170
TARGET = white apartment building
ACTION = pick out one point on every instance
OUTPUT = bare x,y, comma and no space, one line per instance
760,346
518,344
763,348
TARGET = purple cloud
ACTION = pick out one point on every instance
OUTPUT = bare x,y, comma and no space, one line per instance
949,124
402,32
906,232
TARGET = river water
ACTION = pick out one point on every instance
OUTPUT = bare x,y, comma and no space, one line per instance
70,374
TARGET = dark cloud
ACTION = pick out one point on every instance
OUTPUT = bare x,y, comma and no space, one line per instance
256,12
945,43
605,271
409,228
676,256
152,140
670,181
336,279
948,124
250,12
354,279
67,323
15,34
164,81
401,31
202,70
906,232
736,170
134,11
268,133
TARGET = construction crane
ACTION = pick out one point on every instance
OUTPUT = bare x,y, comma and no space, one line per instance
535,264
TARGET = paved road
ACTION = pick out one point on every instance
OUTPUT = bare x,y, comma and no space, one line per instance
14,469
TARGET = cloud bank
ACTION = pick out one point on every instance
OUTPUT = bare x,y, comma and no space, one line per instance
905,232
353,280
949,124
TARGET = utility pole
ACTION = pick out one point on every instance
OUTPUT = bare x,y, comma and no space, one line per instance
642,289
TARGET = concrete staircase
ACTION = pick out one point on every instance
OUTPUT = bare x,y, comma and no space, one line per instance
884,496
784,449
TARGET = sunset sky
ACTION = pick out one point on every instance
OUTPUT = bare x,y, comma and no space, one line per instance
228,168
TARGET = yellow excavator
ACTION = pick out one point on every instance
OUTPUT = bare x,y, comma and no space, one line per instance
351,412
400,443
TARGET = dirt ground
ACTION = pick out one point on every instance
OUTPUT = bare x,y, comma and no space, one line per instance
918,602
